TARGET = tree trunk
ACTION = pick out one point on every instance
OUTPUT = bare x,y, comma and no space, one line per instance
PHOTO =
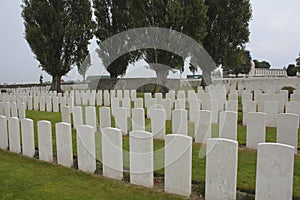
56,83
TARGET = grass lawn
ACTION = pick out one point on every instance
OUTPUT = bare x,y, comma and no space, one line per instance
246,162
24,178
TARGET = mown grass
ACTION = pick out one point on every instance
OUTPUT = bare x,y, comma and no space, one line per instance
24,178
246,159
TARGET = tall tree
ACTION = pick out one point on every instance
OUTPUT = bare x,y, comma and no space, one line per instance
228,28
262,64
82,69
238,62
115,16
58,32
291,70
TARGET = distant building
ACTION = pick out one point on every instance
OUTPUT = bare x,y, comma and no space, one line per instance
260,72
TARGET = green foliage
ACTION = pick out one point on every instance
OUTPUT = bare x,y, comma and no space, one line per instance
188,17
228,28
58,33
237,62
290,89
262,64
292,70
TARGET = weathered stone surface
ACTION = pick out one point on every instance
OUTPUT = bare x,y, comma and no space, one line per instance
121,120
138,120
158,123
178,164
28,148
202,126
86,151
256,129
221,169
45,141
3,133
179,122
77,116
64,144
14,135
90,117
105,117
287,129
274,174
141,158
112,153
228,125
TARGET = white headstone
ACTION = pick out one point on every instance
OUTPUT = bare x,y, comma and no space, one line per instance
14,135
181,94
138,119
256,129
121,120
274,174
133,94
112,153
42,104
49,104
45,141
3,133
231,105
179,122
178,164
271,110
64,144
36,103
115,103
77,116
180,104
106,98
221,169
66,114
167,105
293,107
29,102
194,105
105,117
126,94
6,106
86,151
141,158
261,98
14,110
91,98
1,108
99,98
126,103
202,126
287,129
248,106
138,103
22,110
228,125
55,104
158,123
28,148
90,117
120,94
214,111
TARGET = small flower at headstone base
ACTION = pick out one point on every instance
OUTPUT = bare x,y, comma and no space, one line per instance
154,181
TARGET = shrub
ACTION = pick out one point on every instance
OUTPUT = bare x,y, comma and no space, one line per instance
290,89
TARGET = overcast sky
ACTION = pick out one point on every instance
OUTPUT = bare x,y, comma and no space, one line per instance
275,37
